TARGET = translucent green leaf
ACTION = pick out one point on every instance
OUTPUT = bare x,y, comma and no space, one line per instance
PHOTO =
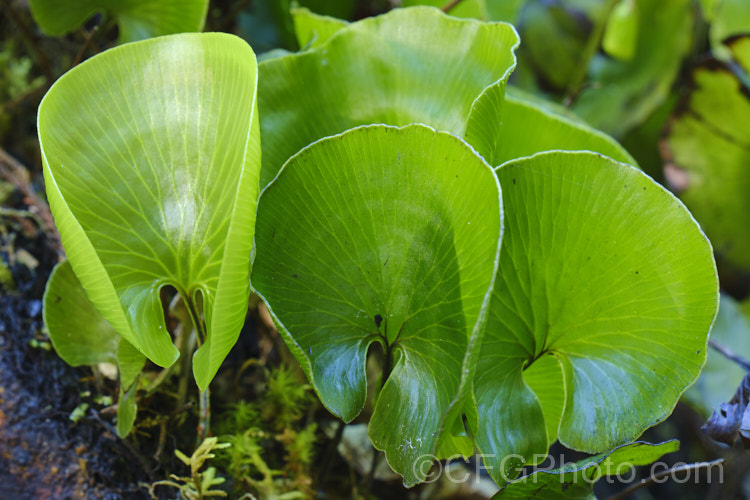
137,19
391,236
720,376
608,271
421,67
530,126
79,333
709,154
576,480
151,161
313,30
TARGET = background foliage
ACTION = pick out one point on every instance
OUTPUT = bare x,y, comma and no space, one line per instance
669,79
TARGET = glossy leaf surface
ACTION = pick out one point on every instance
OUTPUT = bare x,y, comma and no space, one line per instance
151,161
576,480
383,235
422,67
605,271
136,19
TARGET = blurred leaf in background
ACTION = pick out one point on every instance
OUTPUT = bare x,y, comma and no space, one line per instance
728,18
137,19
554,35
267,25
620,94
707,150
612,62
621,32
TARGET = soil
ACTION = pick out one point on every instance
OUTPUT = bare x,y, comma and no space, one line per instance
43,453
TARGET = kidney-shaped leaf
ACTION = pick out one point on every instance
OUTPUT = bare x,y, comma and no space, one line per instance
421,66
606,273
136,19
382,235
151,160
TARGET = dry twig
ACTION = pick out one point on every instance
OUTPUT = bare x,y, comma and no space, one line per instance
12,171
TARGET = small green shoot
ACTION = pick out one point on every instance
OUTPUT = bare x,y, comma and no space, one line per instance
199,484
